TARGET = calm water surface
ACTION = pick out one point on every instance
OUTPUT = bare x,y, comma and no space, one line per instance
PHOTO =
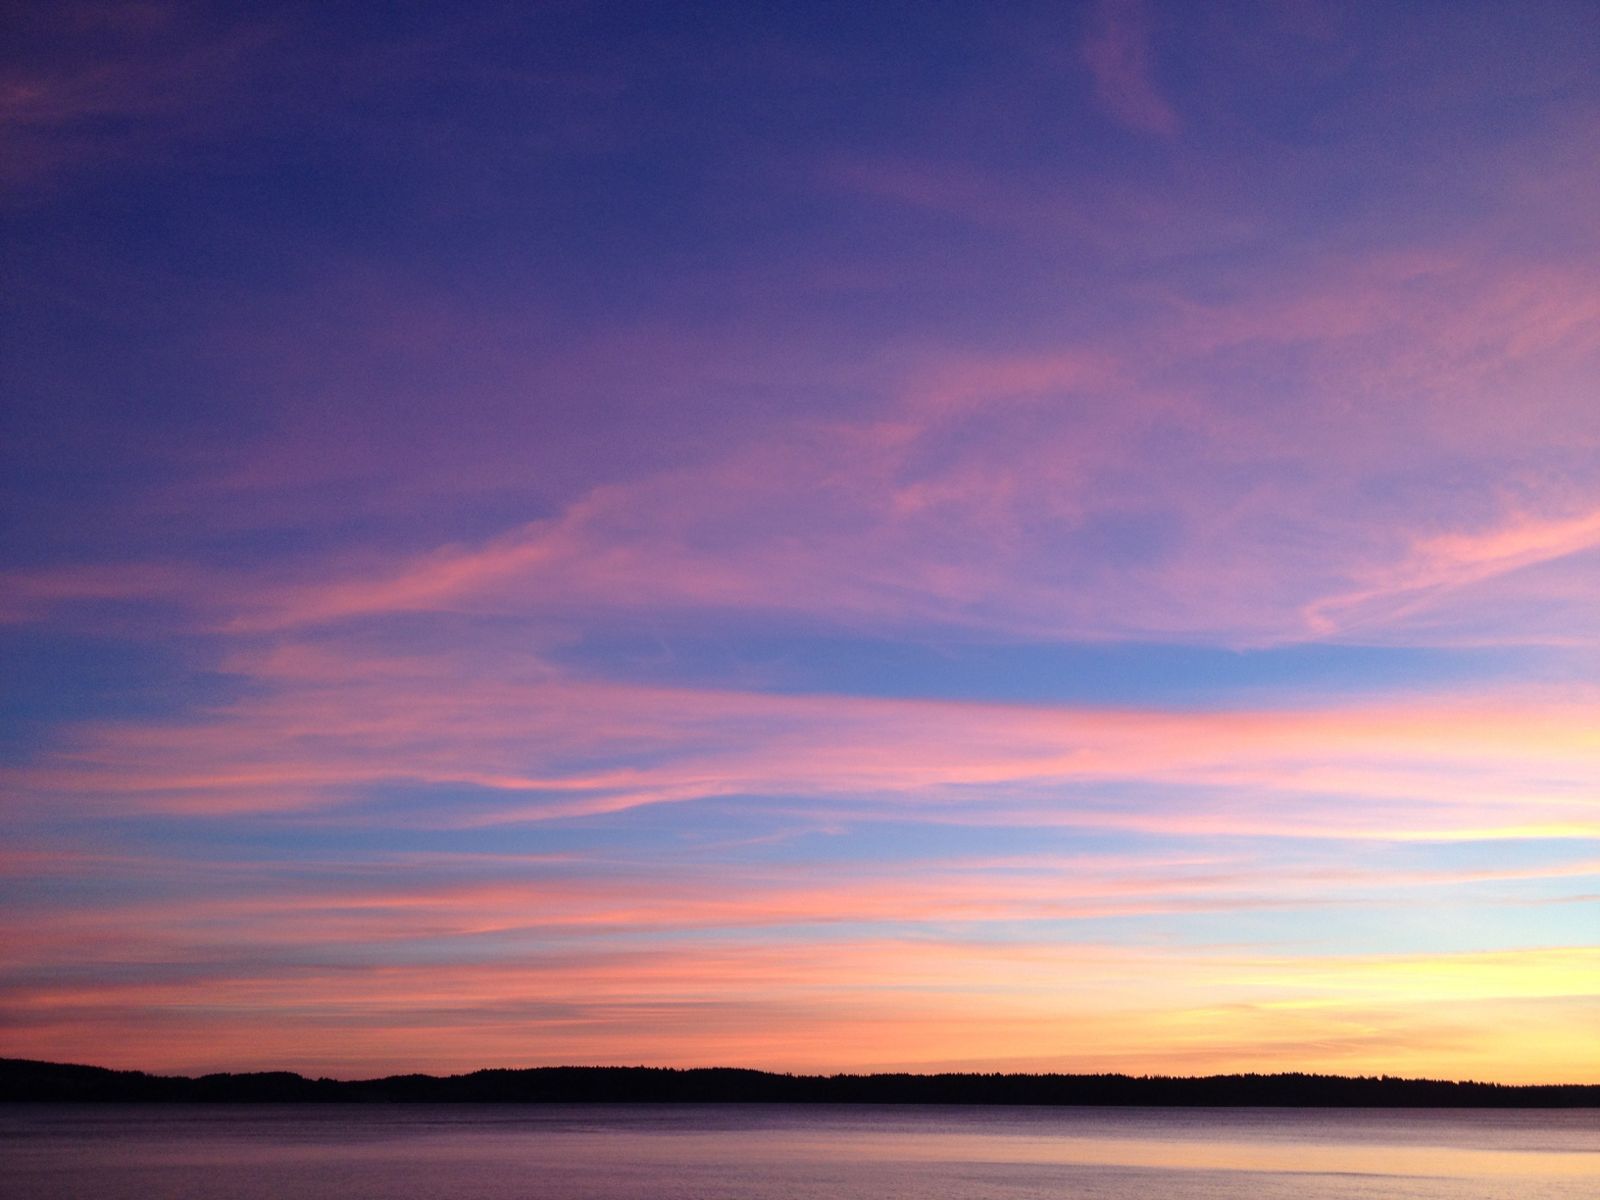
717,1152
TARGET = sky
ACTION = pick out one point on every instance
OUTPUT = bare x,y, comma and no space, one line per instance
816,537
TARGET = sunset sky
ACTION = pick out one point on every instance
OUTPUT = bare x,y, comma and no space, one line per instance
826,536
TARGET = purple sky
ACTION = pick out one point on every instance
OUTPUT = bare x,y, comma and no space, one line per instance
824,536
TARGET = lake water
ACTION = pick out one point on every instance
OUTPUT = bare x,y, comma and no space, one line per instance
723,1152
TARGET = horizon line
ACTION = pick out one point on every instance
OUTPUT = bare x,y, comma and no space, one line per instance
8,1061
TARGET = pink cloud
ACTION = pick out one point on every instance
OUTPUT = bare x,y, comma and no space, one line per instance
1118,55
269,908
320,729
1447,562
1236,389
853,1003
33,596
993,489
157,89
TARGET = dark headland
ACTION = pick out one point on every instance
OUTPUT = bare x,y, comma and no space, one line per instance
25,1080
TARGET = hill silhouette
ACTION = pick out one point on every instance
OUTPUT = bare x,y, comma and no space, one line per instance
27,1080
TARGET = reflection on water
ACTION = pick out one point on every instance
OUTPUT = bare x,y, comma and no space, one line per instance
724,1152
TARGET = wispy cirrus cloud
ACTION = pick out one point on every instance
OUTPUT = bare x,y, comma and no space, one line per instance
518,537
1447,562
1007,491
1117,52
116,84
750,1002
319,729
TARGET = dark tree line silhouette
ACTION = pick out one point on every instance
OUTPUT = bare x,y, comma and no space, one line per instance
25,1080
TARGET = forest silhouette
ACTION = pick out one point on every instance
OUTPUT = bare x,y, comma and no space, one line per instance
27,1080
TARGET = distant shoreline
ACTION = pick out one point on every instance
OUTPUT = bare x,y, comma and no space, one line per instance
24,1080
